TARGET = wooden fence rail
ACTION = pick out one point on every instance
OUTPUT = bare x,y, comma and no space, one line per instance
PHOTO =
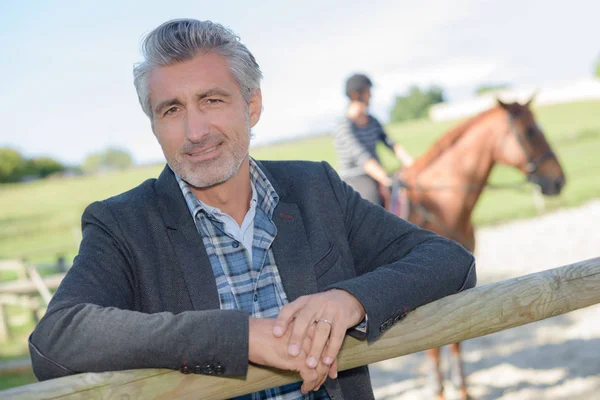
24,291
22,286
476,312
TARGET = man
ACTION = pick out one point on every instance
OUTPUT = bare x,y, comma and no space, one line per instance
356,138
224,260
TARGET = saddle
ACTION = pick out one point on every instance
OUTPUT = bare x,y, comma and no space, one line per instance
396,201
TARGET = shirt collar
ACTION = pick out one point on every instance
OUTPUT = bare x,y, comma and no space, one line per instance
264,195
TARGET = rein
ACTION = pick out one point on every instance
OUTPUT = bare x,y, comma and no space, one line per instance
465,187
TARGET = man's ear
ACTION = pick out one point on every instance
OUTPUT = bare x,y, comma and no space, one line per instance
255,107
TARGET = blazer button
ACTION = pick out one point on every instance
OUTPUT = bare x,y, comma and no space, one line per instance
219,369
235,245
185,369
209,369
399,317
384,327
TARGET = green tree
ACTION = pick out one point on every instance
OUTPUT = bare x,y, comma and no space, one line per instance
43,166
92,163
109,159
416,103
118,159
10,163
490,87
598,67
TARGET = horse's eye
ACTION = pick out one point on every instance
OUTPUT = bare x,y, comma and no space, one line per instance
530,132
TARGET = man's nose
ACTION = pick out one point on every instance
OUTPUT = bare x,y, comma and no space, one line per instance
197,125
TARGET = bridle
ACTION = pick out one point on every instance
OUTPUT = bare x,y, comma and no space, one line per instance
533,164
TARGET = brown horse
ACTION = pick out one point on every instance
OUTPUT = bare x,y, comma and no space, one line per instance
444,184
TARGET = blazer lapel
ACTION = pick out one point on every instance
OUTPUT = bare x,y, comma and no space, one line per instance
290,247
187,243
292,252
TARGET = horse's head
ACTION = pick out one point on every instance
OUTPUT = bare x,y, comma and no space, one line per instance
525,147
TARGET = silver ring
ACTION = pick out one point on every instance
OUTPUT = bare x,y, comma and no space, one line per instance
324,320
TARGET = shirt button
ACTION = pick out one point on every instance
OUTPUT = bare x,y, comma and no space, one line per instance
235,245
255,297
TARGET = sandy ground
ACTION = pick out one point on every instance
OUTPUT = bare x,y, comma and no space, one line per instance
558,358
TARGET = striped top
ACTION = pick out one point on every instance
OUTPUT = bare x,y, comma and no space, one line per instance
355,145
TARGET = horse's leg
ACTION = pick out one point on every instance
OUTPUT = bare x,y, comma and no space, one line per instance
435,379
456,371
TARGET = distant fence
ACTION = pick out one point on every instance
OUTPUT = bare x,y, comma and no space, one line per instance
30,290
473,313
584,89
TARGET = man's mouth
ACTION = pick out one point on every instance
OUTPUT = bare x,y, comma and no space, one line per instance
198,153
204,154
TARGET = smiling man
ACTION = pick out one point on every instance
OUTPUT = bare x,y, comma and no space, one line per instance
225,260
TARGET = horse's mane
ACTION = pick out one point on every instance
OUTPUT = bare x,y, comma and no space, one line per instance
449,139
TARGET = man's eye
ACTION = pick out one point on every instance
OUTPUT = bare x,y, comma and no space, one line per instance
171,110
214,101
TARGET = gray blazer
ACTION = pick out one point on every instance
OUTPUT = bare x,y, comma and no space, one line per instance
141,293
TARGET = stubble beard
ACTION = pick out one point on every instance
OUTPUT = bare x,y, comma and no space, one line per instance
203,174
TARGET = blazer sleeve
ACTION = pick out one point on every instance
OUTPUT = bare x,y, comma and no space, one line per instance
92,324
399,266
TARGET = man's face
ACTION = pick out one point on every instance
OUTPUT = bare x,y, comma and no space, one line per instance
201,119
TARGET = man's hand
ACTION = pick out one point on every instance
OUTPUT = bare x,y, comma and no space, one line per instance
265,349
329,314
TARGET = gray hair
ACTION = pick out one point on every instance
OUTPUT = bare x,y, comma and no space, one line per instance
181,40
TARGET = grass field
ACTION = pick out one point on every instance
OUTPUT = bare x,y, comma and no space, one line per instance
40,220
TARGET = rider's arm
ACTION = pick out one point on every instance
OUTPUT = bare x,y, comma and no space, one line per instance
376,171
402,155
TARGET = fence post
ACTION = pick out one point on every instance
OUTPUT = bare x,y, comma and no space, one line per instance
39,284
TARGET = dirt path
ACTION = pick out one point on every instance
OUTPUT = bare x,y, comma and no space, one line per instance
558,358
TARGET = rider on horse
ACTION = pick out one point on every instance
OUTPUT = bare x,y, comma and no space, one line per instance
355,140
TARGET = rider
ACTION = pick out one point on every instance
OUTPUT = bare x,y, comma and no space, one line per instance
355,141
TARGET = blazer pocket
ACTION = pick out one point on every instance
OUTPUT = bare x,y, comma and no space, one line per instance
326,261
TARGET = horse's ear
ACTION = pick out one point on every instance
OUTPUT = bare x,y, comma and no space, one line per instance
502,104
531,99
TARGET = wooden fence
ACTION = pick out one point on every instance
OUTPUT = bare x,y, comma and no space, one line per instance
476,312
30,290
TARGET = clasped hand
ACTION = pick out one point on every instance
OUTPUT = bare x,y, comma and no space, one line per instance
308,335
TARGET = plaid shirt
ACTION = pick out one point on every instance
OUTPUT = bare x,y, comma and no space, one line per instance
247,281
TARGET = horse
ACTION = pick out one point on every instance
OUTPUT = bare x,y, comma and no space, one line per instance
443,185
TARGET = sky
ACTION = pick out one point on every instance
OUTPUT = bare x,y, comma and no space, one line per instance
66,69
